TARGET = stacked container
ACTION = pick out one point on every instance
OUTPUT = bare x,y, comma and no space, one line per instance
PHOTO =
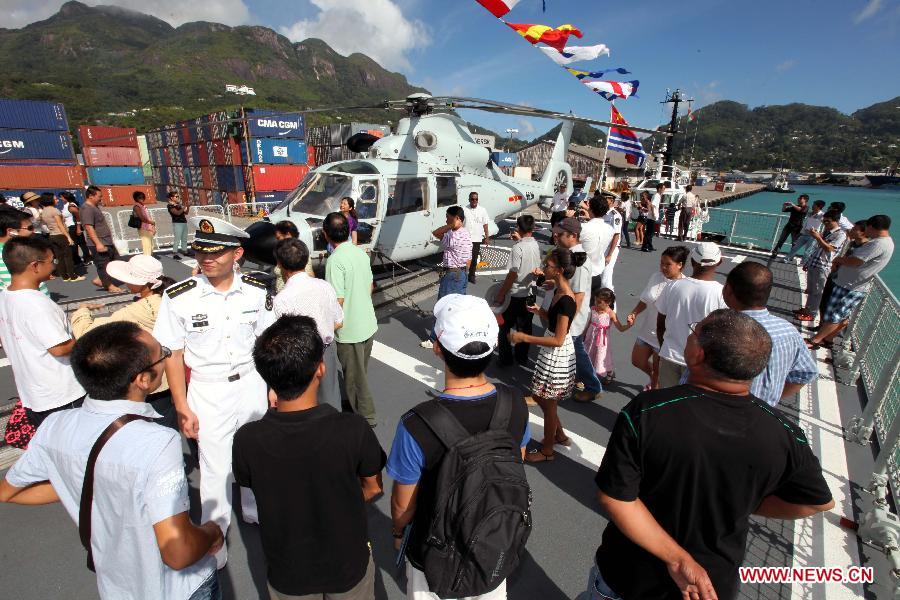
113,163
36,152
328,142
230,157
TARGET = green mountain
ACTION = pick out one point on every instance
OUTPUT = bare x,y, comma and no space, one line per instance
114,66
728,135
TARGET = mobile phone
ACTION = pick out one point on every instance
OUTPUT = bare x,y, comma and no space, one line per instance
531,298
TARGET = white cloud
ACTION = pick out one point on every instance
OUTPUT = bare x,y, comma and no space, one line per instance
176,12
526,129
374,27
868,11
786,65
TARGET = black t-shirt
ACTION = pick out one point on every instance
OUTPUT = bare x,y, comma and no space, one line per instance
177,218
564,306
304,469
474,414
796,216
701,462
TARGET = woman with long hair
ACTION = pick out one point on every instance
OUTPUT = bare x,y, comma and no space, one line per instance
554,370
643,209
645,353
348,210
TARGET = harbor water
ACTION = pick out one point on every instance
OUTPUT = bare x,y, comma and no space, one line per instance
861,203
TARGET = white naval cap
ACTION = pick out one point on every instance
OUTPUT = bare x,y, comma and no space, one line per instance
215,235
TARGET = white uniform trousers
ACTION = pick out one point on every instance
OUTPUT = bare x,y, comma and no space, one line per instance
221,408
606,278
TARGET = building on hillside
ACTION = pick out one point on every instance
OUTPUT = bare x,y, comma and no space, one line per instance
586,161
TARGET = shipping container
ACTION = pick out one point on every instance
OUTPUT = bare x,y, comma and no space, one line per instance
115,175
31,114
231,179
46,177
14,197
103,135
271,196
122,195
268,151
504,159
274,178
275,124
108,156
19,144
144,154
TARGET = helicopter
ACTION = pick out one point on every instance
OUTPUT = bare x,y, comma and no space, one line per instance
407,180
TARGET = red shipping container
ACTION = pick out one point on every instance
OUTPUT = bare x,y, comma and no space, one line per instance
109,156
203,154
121,195
226,152
102,135
205,177
278,178
310,155
22,178
235,197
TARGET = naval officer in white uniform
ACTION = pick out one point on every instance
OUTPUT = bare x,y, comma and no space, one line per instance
614,219
210,322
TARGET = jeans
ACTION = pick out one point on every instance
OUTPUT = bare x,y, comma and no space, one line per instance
789,230
626,236
584,369
515,317
453,282
802,242
180,232
649,230
210,589
597,588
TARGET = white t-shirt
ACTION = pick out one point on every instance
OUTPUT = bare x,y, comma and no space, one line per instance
684,302
581,283
30,324
646,321
560,202
476,219
68,217
654,206
690,200
614,219
813,222
307,296
596,236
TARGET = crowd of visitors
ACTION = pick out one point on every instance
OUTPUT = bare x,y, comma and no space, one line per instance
271,384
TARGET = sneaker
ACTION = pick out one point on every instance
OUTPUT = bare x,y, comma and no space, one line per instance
426,344
585,396
176,256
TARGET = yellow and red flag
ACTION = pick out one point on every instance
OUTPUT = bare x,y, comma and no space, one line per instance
553,37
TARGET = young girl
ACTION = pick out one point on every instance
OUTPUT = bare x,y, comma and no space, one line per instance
596,336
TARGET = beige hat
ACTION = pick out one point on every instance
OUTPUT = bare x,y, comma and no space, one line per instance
140,270
29,197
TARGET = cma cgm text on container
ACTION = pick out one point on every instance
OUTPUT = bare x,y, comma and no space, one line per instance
32,114
274,124
35,145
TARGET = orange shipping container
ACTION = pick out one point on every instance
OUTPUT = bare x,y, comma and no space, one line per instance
22,178
121,195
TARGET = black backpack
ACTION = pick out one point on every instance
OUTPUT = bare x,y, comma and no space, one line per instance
482,512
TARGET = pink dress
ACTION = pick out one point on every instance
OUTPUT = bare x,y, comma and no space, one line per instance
596,343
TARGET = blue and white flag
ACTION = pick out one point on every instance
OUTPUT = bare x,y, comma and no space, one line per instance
625,140
596,74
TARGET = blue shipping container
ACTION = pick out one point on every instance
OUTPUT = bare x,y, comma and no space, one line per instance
275,124
504,159
20,144
31,114
115,175
268,151
13,197
229,179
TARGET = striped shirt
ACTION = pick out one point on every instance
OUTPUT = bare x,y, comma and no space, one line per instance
790,361
6,278
820,258
457,245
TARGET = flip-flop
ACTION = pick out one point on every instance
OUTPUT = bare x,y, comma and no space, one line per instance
805,318
566,441
811,345
532,456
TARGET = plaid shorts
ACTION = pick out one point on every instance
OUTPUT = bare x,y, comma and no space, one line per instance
841,303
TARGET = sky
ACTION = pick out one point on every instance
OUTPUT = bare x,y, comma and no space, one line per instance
843,54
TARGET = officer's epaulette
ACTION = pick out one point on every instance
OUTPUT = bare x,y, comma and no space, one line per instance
181,287
250,280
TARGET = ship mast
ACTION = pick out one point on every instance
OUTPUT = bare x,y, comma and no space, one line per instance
668,170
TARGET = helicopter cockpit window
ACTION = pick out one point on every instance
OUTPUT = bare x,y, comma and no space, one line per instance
446,191
368,199
320,194
357,167
406,195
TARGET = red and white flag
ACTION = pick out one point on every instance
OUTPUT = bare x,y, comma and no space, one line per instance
498,8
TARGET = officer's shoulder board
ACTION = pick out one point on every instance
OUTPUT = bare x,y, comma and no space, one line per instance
250,280
181,287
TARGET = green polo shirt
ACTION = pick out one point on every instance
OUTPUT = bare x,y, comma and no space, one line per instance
349,271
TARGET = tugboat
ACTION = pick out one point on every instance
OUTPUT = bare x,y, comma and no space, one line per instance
779,184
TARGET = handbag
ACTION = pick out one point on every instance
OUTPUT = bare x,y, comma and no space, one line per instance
134,221
87,488
19,430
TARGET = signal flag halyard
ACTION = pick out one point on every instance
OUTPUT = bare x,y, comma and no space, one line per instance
624,140
498,8
553,37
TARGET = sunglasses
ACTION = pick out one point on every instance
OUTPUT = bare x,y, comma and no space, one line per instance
50,260
166,353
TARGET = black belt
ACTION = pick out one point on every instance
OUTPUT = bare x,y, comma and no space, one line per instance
453,268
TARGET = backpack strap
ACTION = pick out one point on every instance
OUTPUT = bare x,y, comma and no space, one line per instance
87,489
502,408
442,423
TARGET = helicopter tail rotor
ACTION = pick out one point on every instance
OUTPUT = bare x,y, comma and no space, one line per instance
558,174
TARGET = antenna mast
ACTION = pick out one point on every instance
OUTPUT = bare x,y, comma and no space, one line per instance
675,98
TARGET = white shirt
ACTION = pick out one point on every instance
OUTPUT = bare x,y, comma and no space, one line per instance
625,207
655,201
30,324
476,219
215,329
307,296
813,222
560,202
39,225
845,223
581,283
690,200
139,481
596,235
614,220
523,260
684,302
646,321
68,217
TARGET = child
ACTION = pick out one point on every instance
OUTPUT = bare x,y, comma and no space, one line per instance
596,336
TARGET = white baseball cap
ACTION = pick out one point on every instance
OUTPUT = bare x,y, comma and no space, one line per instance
706,253
461,320
140,270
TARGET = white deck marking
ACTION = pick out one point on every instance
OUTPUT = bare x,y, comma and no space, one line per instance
839,548
582,450
4,362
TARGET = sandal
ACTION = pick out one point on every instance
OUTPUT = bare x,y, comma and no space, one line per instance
805,317
533,455
565,441
811,345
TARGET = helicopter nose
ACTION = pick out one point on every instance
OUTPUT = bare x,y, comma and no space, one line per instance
260,248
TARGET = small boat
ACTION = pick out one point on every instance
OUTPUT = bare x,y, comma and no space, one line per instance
779,184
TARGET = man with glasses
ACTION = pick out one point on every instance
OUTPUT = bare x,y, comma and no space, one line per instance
14,223
210,322
36,334
142,540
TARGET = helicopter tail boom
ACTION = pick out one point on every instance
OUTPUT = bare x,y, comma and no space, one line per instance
558,174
